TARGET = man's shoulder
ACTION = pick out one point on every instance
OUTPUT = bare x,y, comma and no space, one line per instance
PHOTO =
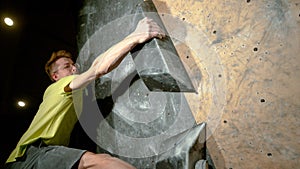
60,84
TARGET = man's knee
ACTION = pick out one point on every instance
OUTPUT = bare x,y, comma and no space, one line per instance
92,160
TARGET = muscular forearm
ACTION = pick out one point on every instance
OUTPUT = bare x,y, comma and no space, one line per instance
105,62
109,60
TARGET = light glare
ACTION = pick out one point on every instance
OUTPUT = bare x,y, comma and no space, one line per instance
21,103
8,21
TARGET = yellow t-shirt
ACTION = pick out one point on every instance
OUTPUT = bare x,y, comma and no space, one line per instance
55,119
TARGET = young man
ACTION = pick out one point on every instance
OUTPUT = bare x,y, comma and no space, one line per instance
44,144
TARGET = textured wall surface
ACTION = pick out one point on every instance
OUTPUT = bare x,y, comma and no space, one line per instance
249,55
243,58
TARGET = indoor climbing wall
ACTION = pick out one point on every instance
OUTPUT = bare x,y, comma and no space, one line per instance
242,59
248,53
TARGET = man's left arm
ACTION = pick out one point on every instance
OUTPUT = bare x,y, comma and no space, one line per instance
107,61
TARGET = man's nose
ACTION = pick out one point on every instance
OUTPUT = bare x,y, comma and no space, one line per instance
75,68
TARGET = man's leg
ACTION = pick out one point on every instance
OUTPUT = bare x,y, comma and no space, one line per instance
91,160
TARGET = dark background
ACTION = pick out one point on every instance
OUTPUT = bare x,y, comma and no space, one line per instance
40,27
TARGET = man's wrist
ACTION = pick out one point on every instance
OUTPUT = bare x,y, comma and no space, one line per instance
134,39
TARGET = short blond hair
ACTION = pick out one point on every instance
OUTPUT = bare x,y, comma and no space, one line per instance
54,57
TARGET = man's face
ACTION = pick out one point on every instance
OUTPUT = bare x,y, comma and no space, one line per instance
63,67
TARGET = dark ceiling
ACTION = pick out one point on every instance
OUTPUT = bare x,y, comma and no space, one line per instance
40,28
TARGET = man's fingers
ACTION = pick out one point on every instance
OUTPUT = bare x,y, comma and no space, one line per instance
150,29
161,35
156,29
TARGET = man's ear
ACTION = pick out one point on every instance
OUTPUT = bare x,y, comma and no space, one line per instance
54,77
